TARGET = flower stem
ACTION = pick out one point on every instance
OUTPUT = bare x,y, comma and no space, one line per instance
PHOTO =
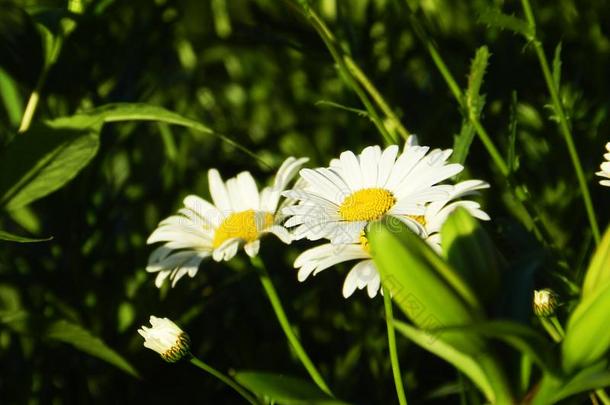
285,324
352,75
564,126
389,319
226,380
532,217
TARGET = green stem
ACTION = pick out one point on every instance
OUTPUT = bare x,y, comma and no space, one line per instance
341,59
551,329
377,97
531,219
389,319
601,394
564,126
228,381
285,324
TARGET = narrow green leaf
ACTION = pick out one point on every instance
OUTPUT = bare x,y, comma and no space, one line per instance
283,389
422,284
11,98
43,160
587,336
464,362
494,18
557,66
598,272
470,251
119,112
22,239
589,379
84,341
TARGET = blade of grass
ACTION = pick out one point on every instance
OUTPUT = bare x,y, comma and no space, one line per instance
564,126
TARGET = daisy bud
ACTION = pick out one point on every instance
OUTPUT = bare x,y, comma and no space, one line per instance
166,338
545,302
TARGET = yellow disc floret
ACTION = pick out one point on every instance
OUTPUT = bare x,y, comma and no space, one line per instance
242,225
367,204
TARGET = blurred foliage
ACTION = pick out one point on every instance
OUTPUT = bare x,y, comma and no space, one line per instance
256,72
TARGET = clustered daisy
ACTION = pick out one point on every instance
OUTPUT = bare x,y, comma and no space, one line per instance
605,168
337,202
333,203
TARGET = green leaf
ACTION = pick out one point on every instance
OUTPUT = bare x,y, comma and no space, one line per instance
119,112
44,159
523,338
9,93
464,362
22,239
478,66
512,158
598,272
423,285
493,17
284,389
553,389
84,341
591,378
587,336
470,251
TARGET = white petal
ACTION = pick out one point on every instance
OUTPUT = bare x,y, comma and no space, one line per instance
219,192
248,190
252,248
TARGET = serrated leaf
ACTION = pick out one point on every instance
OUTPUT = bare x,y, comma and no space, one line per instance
84,341
478,66
21,239
462,142
496,19
464,362
283,389
470,251
43,159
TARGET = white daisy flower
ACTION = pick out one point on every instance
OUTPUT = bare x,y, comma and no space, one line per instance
364,273
166,338
338,201
605,168
239,215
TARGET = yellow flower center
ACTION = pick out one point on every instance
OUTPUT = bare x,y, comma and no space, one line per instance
242,225
366,205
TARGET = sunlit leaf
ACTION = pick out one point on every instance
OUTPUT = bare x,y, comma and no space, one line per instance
598,273
84,341
423,285
44,159
22,239
284,389
470,251
464,362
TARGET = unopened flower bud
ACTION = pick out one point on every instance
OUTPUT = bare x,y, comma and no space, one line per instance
545,302
166,338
